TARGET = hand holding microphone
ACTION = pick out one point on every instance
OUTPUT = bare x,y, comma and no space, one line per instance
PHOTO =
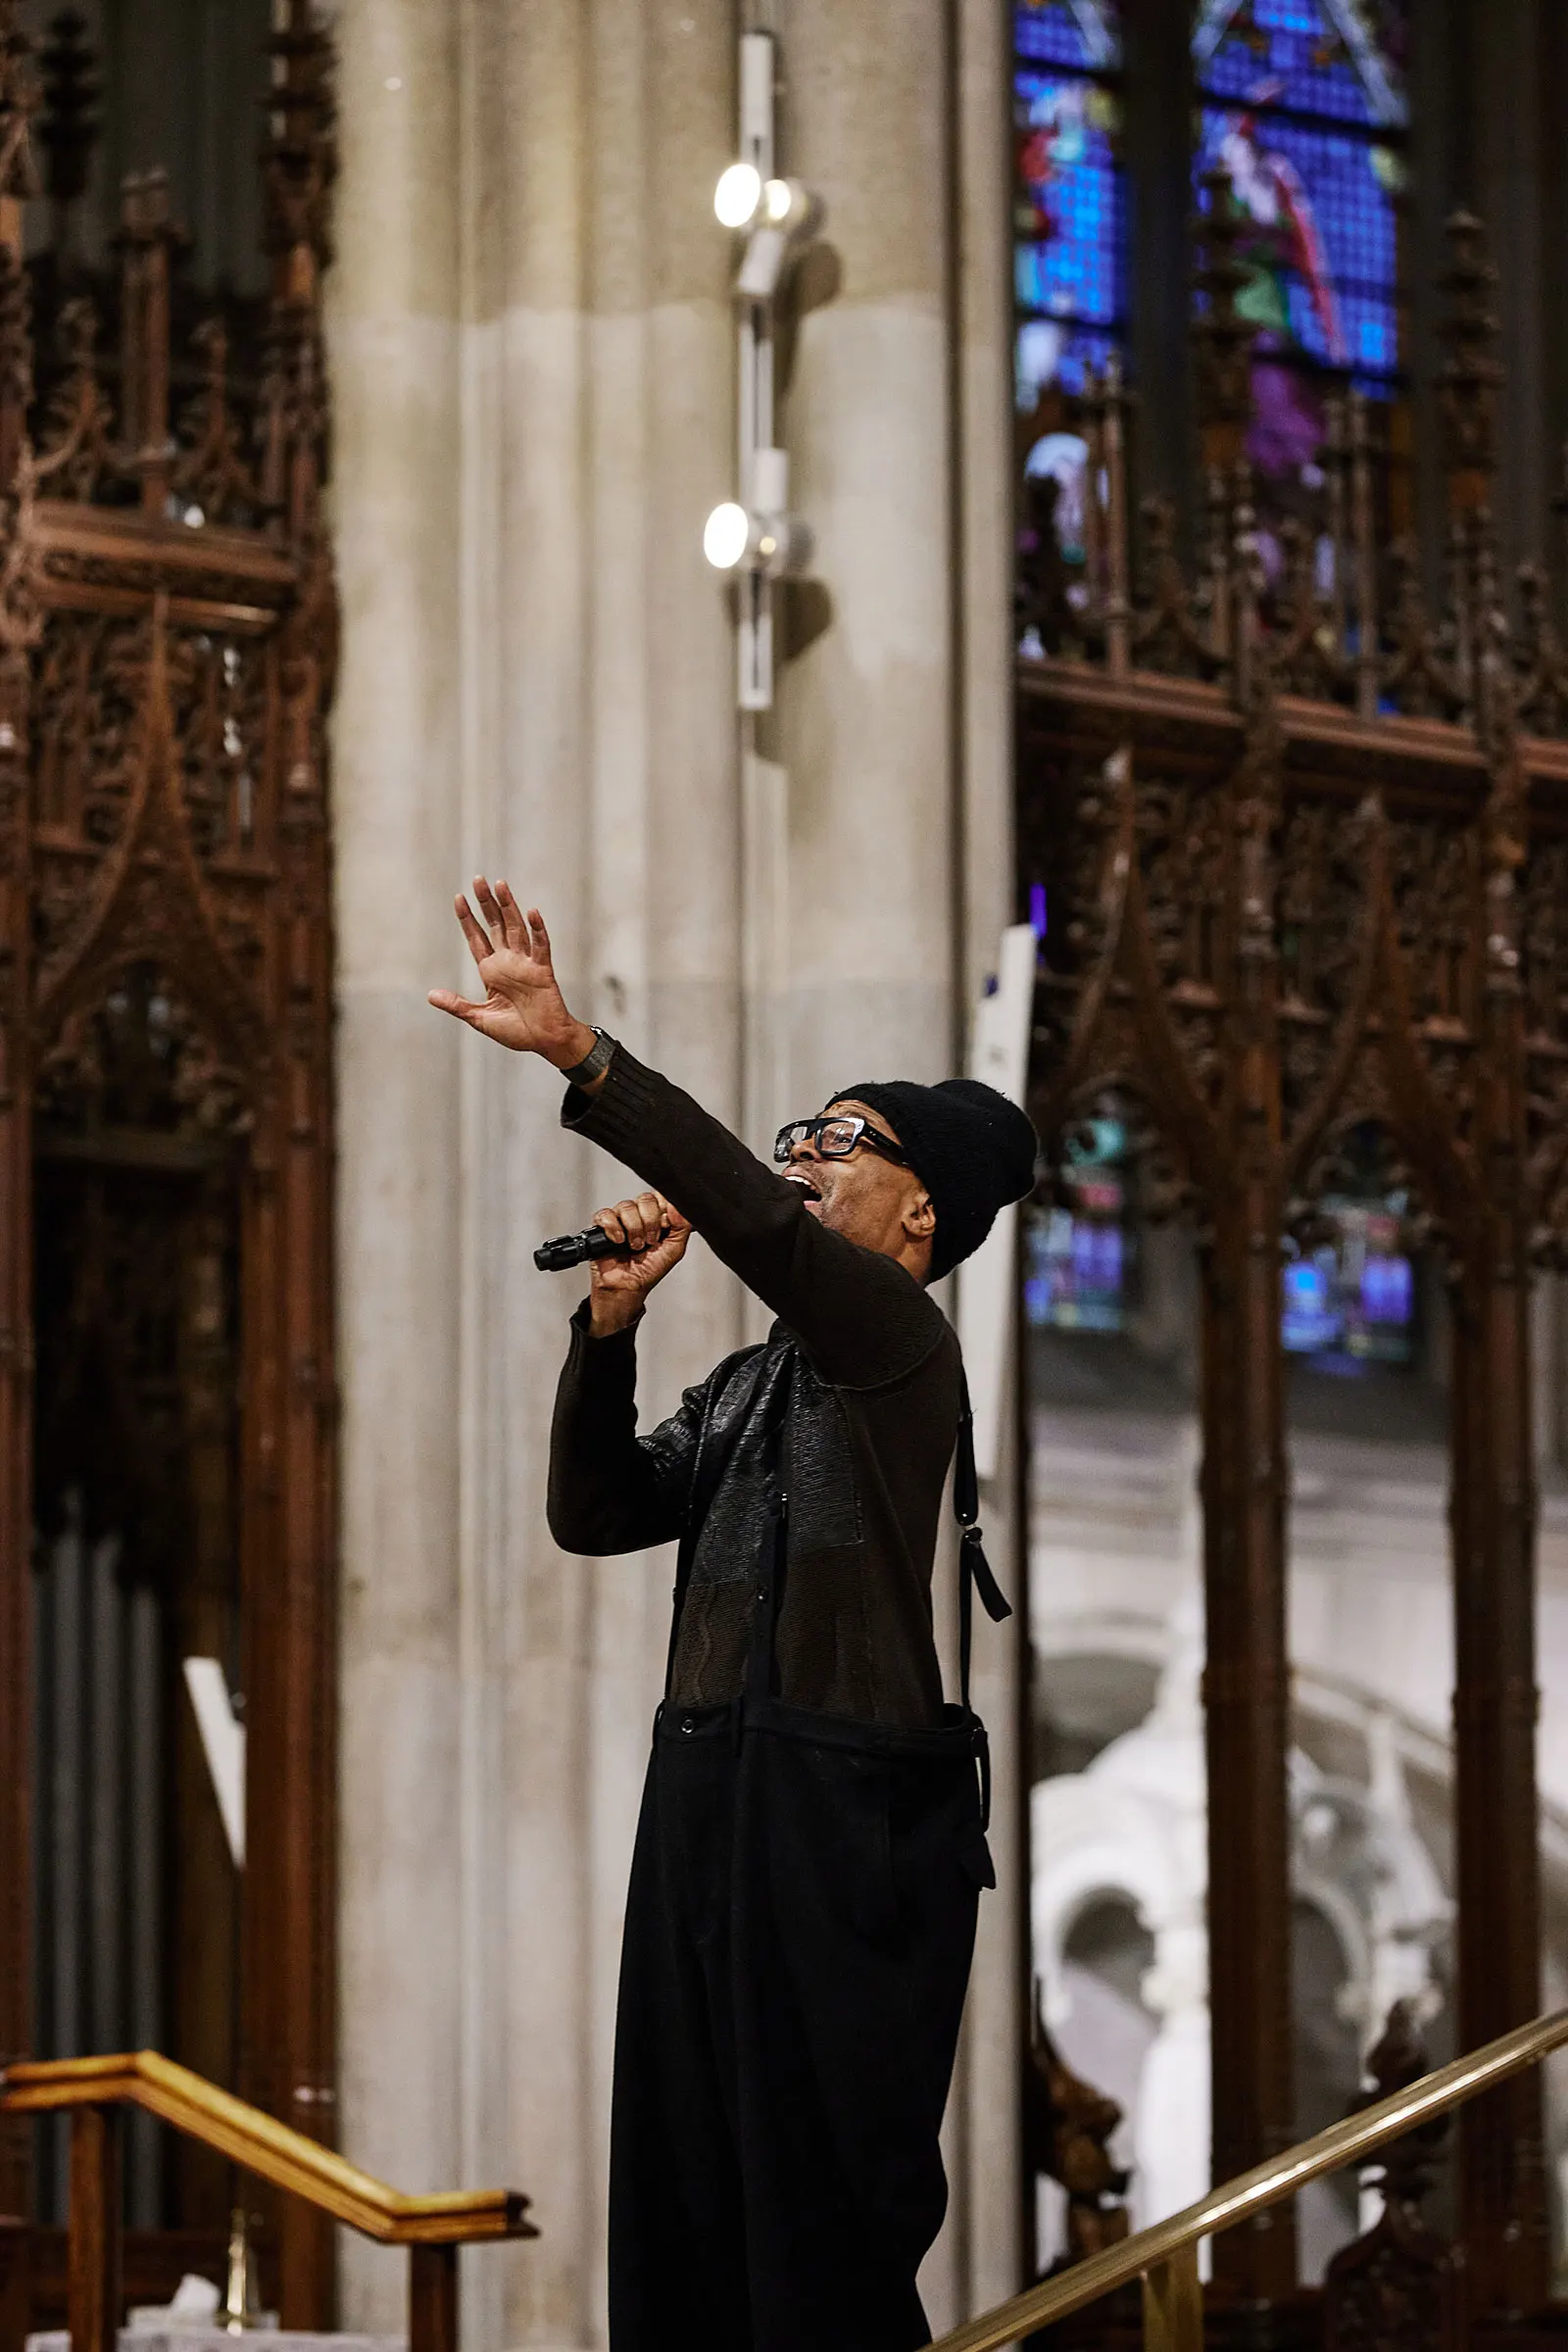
629,1248
569,1250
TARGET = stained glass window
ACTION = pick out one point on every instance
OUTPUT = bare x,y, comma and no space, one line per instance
1077,1254
1347,1300
1303,103
1069,253
1350,1303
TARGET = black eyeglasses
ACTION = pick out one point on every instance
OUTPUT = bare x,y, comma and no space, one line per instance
836,1134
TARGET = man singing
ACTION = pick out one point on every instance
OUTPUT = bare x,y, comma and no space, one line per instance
811,1845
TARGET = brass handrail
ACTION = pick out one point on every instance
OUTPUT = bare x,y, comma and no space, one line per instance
432,2228
262,2145
1165,2255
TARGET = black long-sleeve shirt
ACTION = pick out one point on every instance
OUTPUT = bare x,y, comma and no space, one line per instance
860,1375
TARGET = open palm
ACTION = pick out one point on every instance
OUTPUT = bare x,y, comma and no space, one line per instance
523,1006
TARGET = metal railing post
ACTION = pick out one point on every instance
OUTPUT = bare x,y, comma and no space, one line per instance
1173,2304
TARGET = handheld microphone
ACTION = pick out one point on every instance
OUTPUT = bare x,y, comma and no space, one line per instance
570,1250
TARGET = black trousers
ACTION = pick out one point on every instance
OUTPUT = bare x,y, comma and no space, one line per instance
798,1930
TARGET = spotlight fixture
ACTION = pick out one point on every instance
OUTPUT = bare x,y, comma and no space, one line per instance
790,207
726,535
766,537
762,265
755,537
779,215
737,195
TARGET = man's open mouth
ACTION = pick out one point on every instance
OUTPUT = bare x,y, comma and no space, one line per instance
803,1184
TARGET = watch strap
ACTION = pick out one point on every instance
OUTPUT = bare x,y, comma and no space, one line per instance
596,1059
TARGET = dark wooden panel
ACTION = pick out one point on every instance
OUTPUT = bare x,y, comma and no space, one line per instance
167,643
1304,842
433,2299
93,2272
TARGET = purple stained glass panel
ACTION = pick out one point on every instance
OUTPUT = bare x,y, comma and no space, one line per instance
1387,1289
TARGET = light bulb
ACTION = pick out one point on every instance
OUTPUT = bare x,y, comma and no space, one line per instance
737,195
787,206
725,534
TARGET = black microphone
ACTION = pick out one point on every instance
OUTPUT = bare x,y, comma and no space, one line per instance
569,1250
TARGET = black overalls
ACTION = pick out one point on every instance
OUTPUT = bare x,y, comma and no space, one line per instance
799,1929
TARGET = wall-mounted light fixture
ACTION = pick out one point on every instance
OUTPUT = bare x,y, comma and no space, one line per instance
755,536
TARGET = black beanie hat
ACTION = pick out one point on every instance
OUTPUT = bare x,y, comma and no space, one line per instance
971,1148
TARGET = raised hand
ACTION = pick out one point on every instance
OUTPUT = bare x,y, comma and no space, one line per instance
523,1006
656,1234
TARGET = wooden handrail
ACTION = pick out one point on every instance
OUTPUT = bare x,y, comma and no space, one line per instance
432,2228
1165,2255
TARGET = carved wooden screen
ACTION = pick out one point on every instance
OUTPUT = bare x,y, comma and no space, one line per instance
167,643
1307,845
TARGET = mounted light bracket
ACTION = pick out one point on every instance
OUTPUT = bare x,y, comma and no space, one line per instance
755,536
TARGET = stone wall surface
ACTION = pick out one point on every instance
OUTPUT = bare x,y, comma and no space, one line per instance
532,347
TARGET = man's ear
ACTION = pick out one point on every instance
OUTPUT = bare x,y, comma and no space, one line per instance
920,1217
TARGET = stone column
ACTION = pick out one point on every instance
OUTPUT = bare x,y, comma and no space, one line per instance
527,782
599,773
395,341
580,739
987,2209
867,712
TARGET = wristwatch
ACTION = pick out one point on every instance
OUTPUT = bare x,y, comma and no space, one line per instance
596,1059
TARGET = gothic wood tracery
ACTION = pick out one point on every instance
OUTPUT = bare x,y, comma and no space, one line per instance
1304,846
167,648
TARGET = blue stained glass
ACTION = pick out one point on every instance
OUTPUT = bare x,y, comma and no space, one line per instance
1068,258
1077,1256
1324,249
1076,1272
1310,96
1309,1321
1328,57
1066,357
1068,32
1351,1302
